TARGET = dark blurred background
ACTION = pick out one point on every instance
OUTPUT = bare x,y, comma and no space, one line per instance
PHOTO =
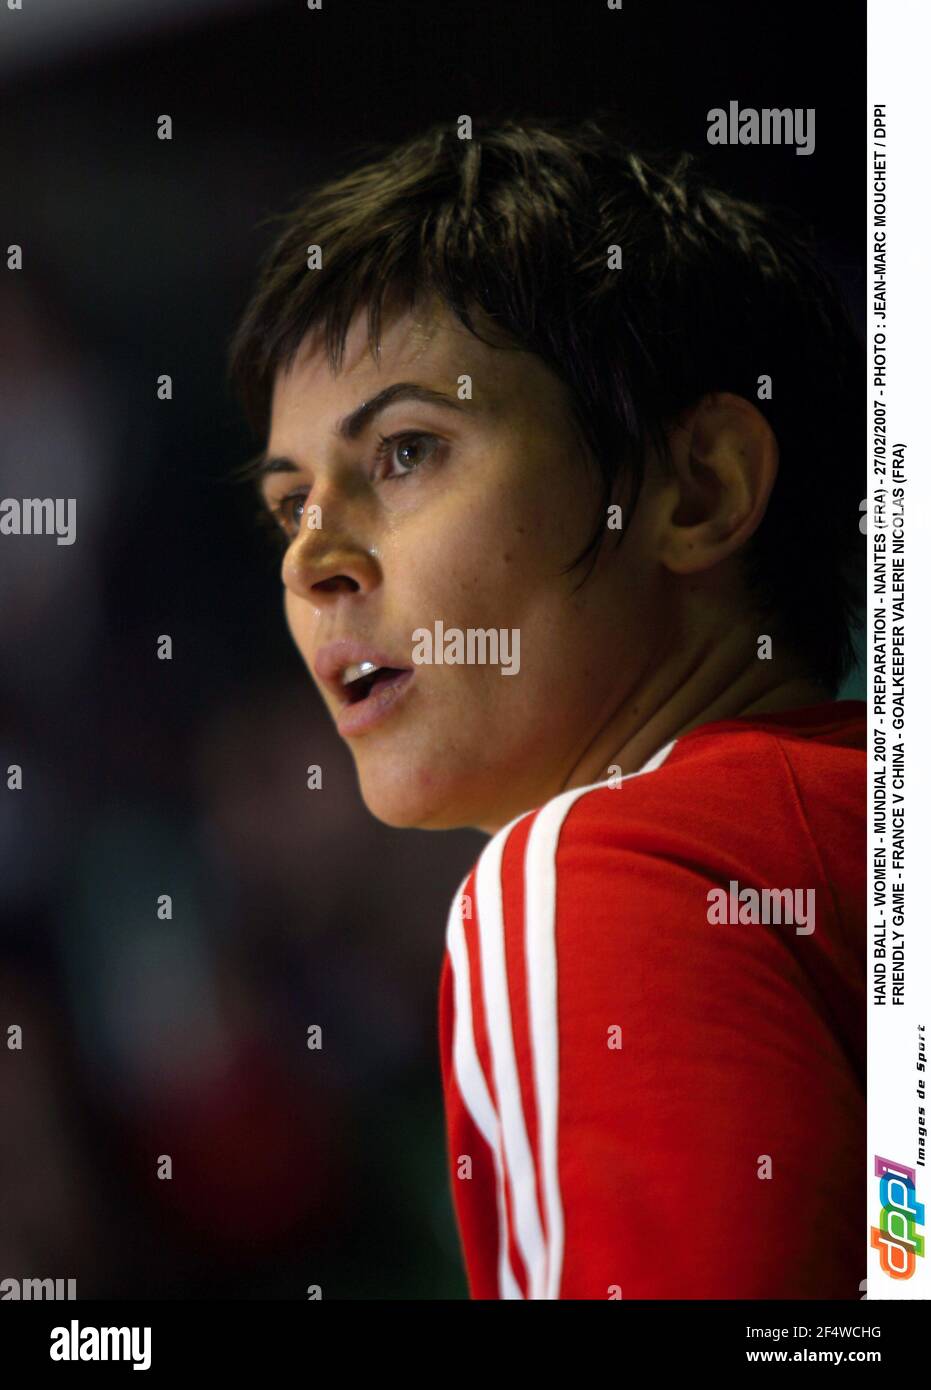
142,777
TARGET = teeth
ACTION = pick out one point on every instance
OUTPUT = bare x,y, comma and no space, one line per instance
361,668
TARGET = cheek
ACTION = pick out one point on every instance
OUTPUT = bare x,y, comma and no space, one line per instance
502,570
436,569
498,545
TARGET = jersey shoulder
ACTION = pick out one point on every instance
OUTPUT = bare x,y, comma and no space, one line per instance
731,801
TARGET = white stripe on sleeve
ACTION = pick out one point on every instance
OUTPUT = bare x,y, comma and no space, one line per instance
542,1002
518,1156
471,1082
542,1256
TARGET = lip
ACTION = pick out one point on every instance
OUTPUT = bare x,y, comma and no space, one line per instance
365,714
359,717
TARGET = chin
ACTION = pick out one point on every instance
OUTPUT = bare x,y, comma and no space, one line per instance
411,800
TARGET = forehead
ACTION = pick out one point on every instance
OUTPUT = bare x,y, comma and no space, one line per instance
427,344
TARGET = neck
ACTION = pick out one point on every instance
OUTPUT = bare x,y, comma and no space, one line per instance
712,684
711,679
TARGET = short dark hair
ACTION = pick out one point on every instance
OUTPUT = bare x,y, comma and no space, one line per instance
714,291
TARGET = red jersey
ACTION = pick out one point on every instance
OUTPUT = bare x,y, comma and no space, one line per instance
653,1026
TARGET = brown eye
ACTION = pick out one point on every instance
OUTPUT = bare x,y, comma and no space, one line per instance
405,452
289,512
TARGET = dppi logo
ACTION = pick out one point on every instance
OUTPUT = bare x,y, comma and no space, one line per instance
895,1237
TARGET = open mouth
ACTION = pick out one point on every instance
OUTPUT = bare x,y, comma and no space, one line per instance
364,678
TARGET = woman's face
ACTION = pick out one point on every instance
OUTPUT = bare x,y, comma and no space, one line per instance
457,498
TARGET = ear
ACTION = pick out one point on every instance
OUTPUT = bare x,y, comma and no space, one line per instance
725,459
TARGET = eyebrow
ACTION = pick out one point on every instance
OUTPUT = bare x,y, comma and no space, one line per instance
350,426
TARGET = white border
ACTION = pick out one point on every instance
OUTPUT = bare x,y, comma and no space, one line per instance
897,80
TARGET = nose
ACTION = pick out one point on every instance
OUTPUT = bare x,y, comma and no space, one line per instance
318,566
